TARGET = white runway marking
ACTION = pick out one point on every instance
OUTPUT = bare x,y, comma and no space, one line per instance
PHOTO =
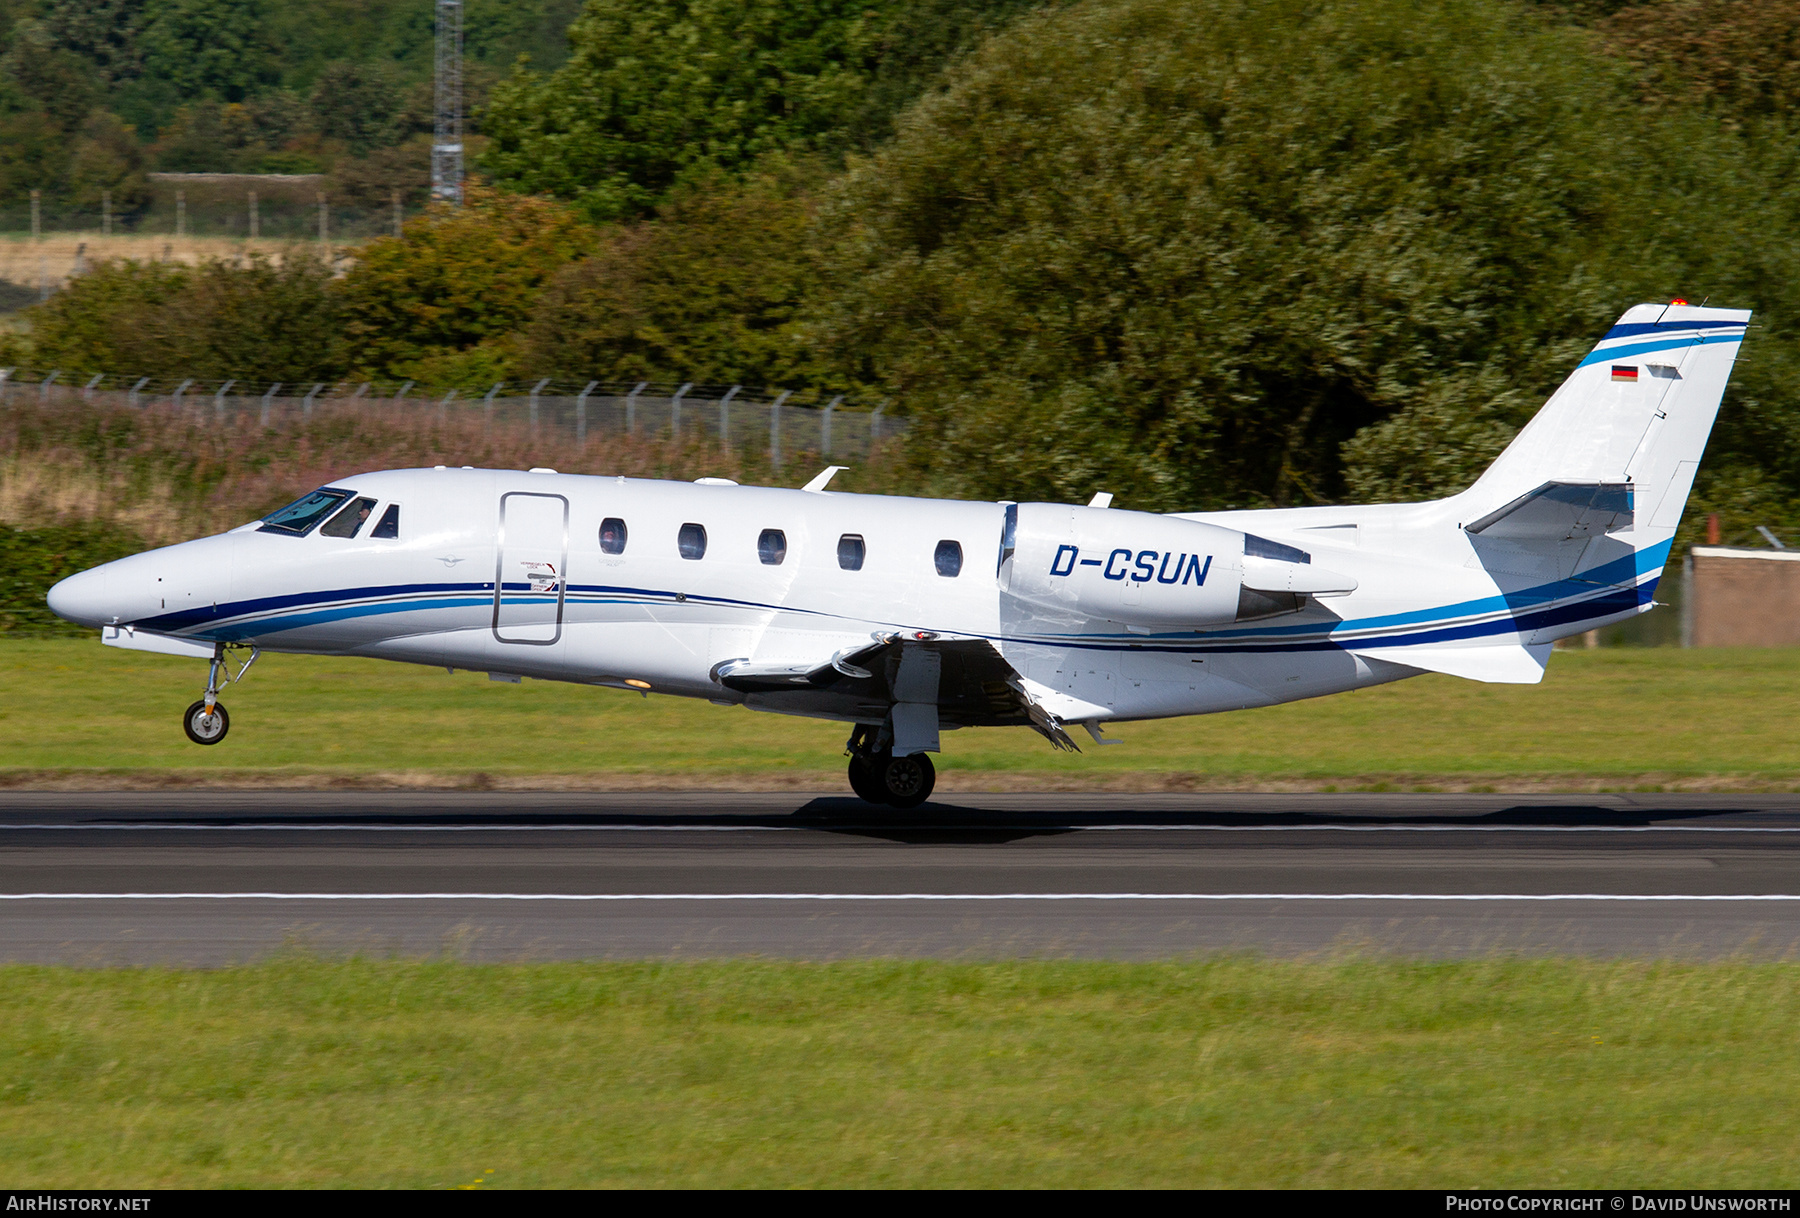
185,827
895,896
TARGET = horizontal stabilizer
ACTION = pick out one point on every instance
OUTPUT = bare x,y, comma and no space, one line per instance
1560,511
1500,665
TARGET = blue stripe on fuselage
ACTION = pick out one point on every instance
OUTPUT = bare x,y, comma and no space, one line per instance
443,596
168,623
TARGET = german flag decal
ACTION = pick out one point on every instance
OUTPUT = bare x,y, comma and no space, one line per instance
1624,372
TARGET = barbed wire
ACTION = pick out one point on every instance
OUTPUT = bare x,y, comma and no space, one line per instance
148,388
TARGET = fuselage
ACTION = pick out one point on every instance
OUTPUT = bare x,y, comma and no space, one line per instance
1101,614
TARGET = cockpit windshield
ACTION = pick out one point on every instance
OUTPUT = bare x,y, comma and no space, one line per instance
299,517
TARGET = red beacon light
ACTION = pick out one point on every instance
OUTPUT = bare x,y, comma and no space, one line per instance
1678,301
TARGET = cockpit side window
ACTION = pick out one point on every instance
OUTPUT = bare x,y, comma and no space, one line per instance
299,517
349,521
388,528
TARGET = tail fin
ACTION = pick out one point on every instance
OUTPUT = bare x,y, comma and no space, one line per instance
1629,424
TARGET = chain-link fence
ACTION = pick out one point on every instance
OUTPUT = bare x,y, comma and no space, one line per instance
735,416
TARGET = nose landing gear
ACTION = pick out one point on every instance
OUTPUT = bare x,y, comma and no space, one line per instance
206,724
206,721
879,777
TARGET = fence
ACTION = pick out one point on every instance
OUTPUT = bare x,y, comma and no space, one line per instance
735,416
269,207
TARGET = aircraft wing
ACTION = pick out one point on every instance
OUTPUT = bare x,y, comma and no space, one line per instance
975,685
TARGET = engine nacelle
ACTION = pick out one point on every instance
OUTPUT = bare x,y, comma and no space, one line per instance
1157,572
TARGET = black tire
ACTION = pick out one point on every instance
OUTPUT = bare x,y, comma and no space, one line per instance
202,730
908,780
865,780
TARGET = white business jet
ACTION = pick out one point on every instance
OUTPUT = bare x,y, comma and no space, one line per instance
909,617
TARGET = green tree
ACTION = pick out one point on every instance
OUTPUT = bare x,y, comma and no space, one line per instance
361,104
33,153
208,48
105,156
457,279
657,91
712,290
660,93
47,77
1187,249
104,33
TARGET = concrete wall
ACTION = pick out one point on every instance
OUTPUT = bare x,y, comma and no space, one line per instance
1741,598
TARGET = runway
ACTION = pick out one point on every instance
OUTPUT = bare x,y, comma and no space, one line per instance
213,878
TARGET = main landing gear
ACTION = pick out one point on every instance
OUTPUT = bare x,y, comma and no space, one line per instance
206,721
882,778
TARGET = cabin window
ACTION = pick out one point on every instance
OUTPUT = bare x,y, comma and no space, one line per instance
388,528
692,540
851,551
299,517
349,521
948,557
771,547
613,534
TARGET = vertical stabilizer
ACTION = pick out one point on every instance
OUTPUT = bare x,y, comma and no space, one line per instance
1637,411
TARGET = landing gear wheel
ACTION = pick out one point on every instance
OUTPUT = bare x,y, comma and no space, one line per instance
865,780
908,780
203,728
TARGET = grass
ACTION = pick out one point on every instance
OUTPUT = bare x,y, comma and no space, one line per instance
73,712
169,473
1231,1072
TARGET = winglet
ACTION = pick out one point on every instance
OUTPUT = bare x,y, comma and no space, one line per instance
817,485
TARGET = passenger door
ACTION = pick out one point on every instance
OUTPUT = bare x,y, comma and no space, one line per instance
530,568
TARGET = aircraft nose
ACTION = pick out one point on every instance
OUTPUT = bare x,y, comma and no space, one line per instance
81,598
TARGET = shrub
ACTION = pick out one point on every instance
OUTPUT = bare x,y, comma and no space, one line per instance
712,290
265,319
31,560
457,278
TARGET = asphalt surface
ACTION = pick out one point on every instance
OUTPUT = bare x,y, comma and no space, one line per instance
111,878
